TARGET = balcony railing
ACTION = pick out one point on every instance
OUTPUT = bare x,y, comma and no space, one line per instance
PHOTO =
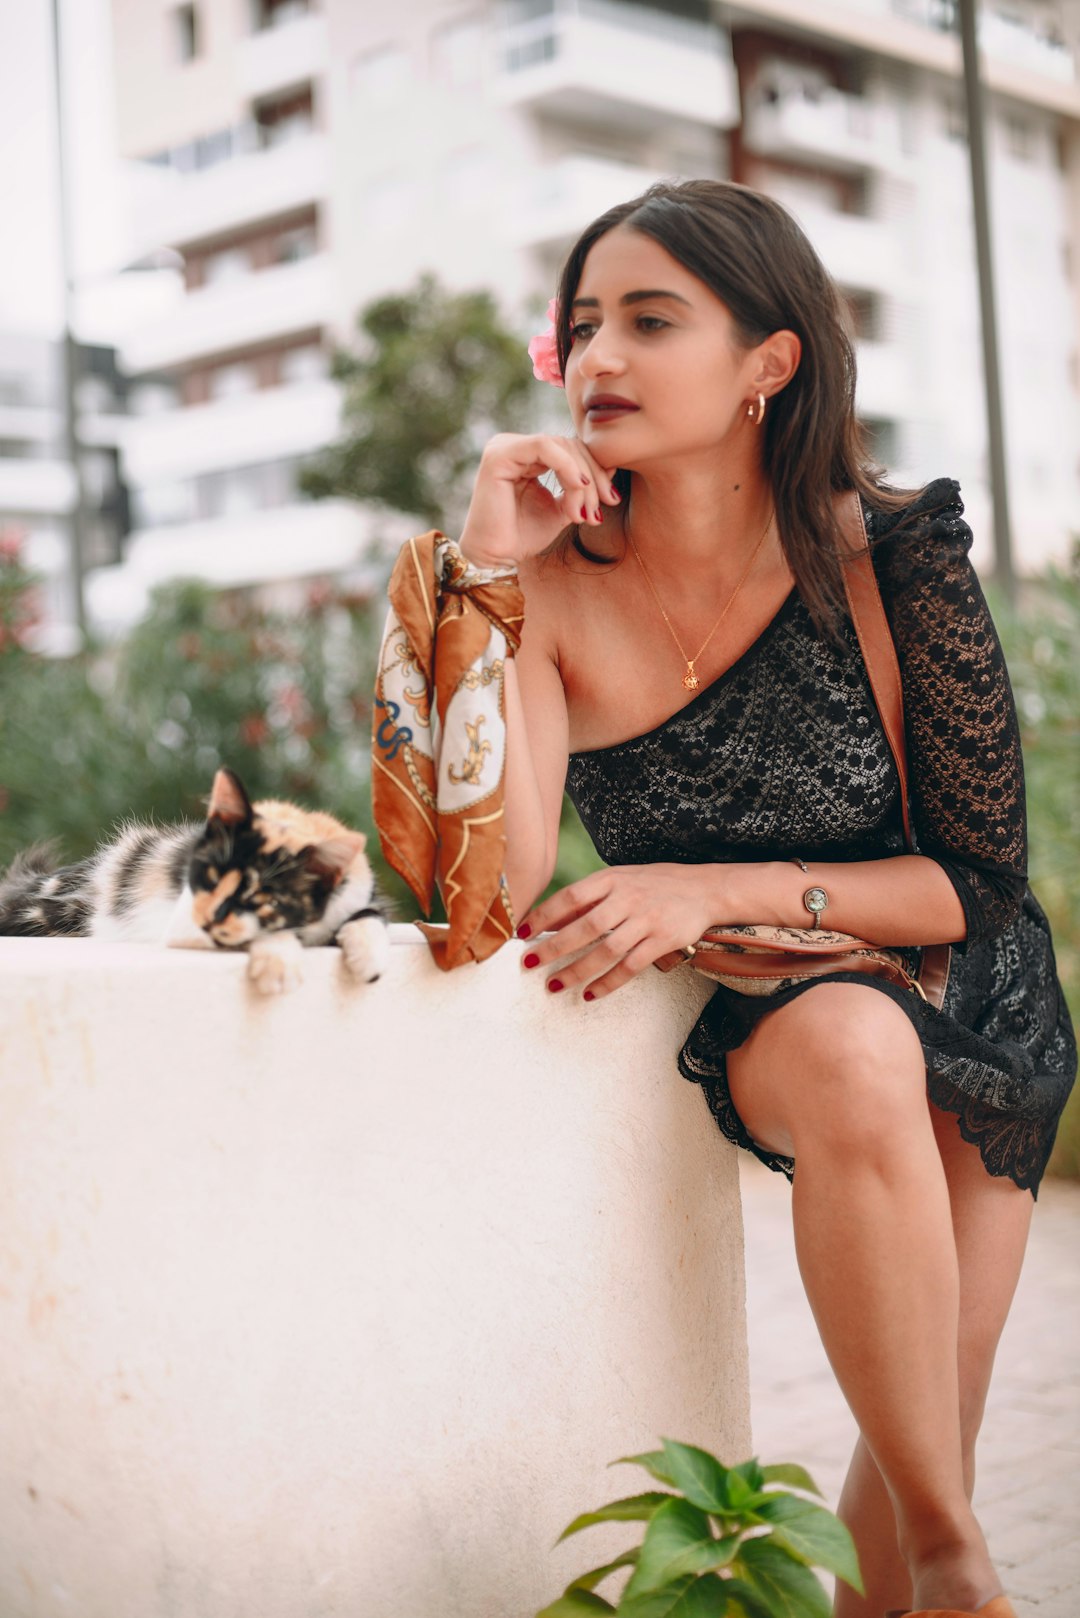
292,53
558,199
846,132
286,421
237,185
256,308
630,63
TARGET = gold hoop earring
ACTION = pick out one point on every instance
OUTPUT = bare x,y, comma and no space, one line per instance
760,417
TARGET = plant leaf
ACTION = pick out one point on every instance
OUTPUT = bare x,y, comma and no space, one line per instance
635,1508
589,1581
745,1602
576,1604
698,1474
812,1535
752,1472
686,1598
655,1461
796,1477
788,1589
678,1541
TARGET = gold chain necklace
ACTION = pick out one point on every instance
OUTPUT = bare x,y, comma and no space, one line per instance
690,679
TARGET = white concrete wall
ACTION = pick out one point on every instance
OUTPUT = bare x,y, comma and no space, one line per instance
341,1302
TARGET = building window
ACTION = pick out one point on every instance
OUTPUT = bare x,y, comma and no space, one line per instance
277,13
292,245
1019,138
227,264
305,363
230,381
285,118
185,27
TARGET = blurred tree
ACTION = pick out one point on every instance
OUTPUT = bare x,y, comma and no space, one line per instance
436,374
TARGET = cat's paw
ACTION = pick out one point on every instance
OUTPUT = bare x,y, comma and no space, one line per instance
365,944
274,964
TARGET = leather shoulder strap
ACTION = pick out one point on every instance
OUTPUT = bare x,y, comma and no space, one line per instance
875,642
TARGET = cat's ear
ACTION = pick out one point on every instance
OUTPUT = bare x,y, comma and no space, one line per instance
229,802
330,860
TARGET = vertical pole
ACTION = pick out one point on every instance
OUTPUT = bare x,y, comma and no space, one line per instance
69,351
976,123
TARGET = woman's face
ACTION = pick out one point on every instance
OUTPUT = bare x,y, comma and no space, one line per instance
648,332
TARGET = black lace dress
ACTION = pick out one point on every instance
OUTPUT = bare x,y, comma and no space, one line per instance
784,754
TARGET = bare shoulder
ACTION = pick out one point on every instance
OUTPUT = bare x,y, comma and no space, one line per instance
563,596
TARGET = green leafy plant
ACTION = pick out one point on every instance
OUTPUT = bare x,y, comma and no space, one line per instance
721,1542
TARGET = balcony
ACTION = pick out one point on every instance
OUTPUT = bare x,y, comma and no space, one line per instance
291,420
839,131
258,308
861,254
35,488
616,64
302,540
558,199
281,58
248,187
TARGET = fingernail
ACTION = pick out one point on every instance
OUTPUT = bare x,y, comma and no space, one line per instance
555,984
585,477
588,995
615,493
531,960
524,931
584,513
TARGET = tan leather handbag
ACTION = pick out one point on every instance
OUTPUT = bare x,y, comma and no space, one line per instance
762,960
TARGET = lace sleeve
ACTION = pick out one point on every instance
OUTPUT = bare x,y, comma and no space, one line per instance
964,760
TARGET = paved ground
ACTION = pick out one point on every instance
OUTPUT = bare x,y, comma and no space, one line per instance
1028,1492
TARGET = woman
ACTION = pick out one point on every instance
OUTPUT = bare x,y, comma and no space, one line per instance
688,670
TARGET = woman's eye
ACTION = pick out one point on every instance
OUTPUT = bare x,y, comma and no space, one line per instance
651,322
581,328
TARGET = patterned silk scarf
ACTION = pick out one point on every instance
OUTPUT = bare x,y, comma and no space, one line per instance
439,744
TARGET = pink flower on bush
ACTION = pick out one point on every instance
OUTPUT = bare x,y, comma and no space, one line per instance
543,351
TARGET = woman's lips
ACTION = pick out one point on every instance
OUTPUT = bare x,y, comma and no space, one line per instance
610,412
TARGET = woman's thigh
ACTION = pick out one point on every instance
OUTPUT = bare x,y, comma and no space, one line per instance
842,1056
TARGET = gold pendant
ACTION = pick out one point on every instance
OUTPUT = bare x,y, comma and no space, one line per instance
690,679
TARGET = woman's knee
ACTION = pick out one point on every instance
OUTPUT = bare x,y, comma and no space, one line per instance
841,1062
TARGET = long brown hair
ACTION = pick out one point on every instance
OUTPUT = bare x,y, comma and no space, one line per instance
749,250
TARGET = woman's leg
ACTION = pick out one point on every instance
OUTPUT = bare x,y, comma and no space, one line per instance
991,1217
837,1078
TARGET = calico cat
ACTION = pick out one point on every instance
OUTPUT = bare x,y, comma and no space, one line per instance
266,877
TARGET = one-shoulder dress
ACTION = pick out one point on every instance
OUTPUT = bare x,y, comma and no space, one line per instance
784,755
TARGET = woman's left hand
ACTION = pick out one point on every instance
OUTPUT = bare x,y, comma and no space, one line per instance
623,918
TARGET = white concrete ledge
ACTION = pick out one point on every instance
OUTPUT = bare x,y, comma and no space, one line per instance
340,1303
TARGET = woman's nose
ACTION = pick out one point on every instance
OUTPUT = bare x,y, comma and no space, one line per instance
602,356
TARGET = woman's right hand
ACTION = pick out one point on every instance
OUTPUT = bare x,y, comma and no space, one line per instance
512,515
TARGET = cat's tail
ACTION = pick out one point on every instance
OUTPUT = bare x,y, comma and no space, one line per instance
37,899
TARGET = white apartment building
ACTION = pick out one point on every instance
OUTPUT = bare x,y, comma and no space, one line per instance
310,158
37,485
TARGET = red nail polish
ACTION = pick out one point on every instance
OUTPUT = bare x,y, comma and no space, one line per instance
531,960
555,984
584,513
588,995
615,493
524,931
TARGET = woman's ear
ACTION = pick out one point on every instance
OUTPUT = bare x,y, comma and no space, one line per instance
778,359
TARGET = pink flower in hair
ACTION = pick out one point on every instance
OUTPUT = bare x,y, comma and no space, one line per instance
543,351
